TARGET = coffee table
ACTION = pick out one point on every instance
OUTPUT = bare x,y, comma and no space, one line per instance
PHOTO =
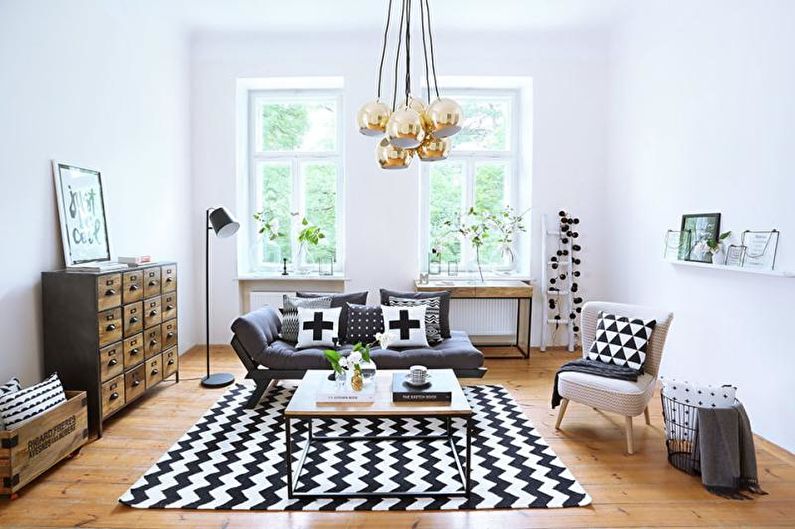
303,407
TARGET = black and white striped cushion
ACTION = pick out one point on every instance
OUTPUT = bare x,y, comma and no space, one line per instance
12,386
290,306
433,325
26,404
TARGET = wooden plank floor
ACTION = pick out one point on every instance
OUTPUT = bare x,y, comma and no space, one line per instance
628,491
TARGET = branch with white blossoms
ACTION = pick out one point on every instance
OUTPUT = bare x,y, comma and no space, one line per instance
385,339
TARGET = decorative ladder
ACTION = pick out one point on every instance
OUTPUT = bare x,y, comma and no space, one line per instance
563,295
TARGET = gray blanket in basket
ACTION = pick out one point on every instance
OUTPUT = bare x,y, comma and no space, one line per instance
728,457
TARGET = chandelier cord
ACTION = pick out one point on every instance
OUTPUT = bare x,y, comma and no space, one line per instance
408,50
433,55
383,49
397,54
425,51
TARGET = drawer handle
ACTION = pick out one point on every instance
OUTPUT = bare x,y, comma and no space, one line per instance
171,362
114,396
136,383
111,327
155,371
153,343
134,319
169,279
134,351
169,307
133,288
110,292
153,313
113,362
170,335
152,283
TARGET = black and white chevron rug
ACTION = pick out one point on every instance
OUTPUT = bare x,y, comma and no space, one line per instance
233,458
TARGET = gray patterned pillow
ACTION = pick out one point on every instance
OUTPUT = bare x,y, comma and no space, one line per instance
290,306
433,328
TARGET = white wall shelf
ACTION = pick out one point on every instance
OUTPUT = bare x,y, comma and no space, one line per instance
696,264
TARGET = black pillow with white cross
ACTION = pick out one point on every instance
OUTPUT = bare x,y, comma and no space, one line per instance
406,325
317,327
621,340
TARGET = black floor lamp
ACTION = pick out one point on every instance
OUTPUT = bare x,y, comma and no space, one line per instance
224,225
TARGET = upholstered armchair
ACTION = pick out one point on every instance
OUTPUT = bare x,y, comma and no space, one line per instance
623,397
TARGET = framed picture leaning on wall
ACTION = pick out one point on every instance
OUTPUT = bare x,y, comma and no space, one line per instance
703,227
81,211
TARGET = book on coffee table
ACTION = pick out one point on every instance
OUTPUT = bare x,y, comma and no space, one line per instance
329,392
437,390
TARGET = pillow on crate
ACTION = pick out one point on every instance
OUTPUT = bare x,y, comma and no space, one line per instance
339,300
12,386
317,327
21,406
407,325
290,305
679,395
433,329
621,340
364,322
444,304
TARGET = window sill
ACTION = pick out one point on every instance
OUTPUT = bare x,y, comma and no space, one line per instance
470,278
291,277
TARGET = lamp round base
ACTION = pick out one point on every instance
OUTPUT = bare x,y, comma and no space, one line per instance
218,380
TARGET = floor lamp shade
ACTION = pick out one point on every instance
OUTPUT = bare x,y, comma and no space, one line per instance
223,224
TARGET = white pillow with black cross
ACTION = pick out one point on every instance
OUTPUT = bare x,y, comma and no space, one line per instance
317,327
406,324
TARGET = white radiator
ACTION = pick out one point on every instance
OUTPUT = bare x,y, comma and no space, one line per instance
484,317
260,299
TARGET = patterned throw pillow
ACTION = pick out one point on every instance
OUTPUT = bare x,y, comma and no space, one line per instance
290,306
12,386
21,406
364,322
318,327
407,324
433,329
621,341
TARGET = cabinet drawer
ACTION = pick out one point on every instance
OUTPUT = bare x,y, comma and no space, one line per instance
133,350
169,334
133,318
132,285
152,315
112,395
152,342
154,371
168,306
135,383
151,282
109,326
169,278
108,291
111,361
170,362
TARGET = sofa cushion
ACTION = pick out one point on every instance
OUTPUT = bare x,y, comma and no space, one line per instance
456,352
339,300
433,329
317,327
290,318
444,304
364,322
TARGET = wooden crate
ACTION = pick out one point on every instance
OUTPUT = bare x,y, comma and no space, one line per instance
33,448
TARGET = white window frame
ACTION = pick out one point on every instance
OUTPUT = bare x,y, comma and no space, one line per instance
295,159
512,157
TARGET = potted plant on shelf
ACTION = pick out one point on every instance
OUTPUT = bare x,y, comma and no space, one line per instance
310,234
716,248
507,223
270,229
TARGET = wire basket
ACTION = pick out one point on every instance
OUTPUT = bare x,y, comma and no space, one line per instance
681,435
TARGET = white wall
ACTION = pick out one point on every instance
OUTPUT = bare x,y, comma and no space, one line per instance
102,84
569,72
702,120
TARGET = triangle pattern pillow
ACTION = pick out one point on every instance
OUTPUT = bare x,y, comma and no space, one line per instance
621,340
317,327
407,325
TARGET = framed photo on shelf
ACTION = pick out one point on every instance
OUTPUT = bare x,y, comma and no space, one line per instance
734,255
81,211
761,248
703,227
677,244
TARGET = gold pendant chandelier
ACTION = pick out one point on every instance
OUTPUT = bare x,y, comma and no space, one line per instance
412,127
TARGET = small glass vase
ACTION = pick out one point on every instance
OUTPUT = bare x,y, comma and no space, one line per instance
357,380
368,371
340,377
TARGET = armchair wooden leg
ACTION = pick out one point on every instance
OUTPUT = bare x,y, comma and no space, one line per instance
563,404
646,415
630,444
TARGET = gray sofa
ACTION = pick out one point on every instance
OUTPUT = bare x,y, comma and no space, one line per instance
267,357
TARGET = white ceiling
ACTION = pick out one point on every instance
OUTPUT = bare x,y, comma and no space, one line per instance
340,15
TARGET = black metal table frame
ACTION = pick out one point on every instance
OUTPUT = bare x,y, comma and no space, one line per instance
523,353
464,471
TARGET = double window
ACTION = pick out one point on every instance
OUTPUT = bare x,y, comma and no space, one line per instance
482,172
295,177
